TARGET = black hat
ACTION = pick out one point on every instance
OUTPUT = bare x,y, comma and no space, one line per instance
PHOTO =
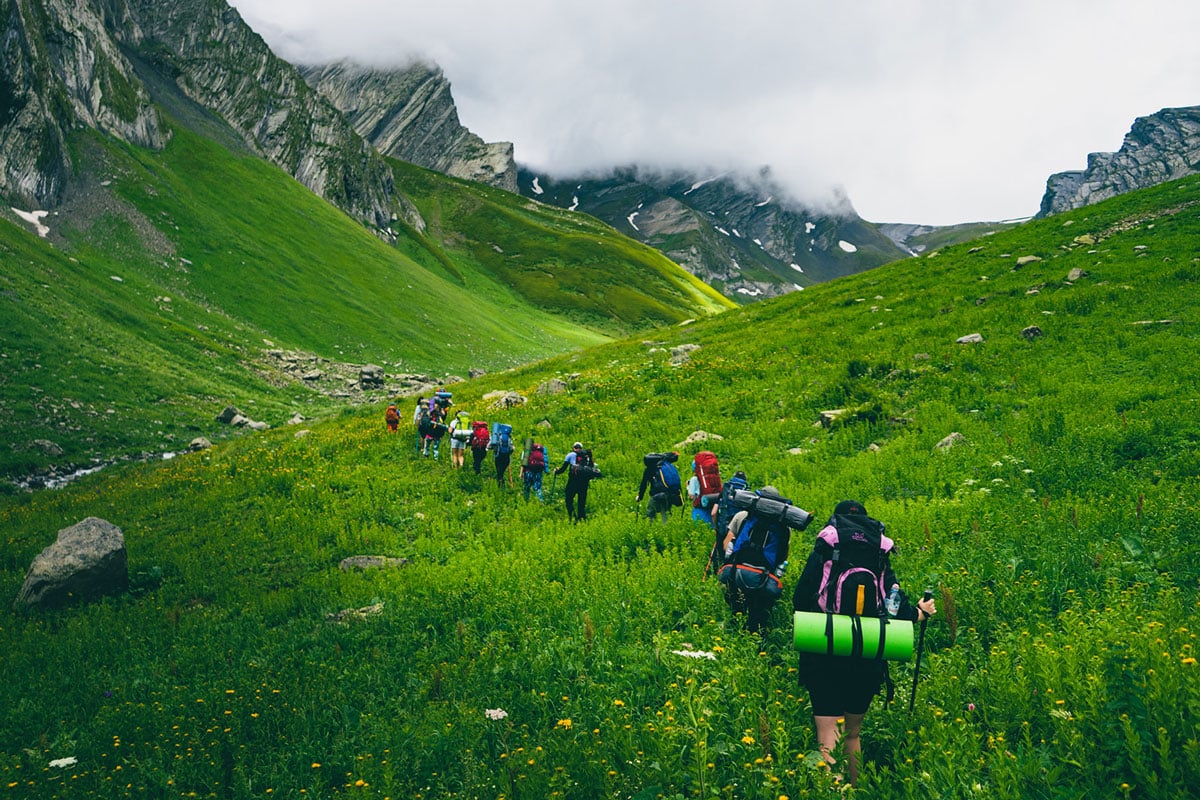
850,508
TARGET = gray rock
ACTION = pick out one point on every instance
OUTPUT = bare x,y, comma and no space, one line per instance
199,443
371,376
228,415
552,386
1076,274
1026,260
48,447
970,338
371,562
86,561
950,441
1032,332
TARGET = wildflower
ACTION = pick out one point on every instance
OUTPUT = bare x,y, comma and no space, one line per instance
59,763
618,703
496,713
565,724
970,706
695,654
747,739
1188,661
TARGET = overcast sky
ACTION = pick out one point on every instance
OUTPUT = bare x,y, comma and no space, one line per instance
927,111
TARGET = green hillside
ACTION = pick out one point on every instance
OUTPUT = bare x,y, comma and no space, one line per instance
174,272
513,654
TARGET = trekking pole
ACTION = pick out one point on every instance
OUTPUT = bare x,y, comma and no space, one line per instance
912,700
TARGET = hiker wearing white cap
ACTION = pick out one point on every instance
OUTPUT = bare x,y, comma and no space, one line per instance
580,469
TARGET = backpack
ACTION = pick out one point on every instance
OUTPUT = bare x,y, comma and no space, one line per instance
585,465
757,542
425,423
440,400
502,433
480,436
705,468
665,480
537,458
725,506
856,554
392,416
462,430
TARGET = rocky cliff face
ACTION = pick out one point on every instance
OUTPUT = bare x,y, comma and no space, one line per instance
71,63
742,235
62,70
1158,148
409,114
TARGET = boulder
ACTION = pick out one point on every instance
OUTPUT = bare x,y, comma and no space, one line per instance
831,416
199,443
699,436
682,354
48,447
1032,332
950,441
1026,260
552,386
509,400
86,561
1075,274
227,416
970,338
370,376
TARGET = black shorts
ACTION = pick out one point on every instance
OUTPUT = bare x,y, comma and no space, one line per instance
839,685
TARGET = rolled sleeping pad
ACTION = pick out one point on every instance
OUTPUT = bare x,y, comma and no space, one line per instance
793,516
853,635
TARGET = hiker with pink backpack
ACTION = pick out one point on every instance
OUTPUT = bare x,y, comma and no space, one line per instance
849,573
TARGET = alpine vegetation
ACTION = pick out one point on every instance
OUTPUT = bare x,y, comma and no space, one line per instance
321,611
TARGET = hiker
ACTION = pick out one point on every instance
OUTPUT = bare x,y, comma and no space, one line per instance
662,479
841,687
418,412
704,487
581,470
433,425
460,434
501,444
392,418
722,514
533,468
756,551
480,438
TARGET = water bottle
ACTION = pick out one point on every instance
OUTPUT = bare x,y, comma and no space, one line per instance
782,568
893,600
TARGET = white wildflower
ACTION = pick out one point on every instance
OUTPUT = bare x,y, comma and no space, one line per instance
696,654
59,763
496,713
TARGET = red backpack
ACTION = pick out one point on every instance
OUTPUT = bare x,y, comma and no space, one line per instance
537,458
706,469
480,436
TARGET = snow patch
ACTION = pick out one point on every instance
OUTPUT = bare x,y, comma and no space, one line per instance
537,189
846,246
749,292
759,243
809,227
574,203
764,202
698,184
630,220
798,268
34,218
719,229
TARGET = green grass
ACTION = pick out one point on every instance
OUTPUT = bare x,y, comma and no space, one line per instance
250,260
1060,537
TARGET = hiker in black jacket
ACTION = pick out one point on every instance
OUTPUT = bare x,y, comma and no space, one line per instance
578,466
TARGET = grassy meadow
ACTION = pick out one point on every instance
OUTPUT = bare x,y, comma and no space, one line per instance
170,274
516,655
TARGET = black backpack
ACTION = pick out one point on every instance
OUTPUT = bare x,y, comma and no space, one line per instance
585,466
725,507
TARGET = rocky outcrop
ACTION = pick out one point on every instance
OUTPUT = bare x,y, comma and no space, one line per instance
1158,148
81,63
86,561
62,70
408,113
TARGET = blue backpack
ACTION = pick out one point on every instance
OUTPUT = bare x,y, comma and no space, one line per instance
757,542
725,507
502,437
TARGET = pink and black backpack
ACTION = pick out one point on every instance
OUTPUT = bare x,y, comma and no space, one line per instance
856,559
